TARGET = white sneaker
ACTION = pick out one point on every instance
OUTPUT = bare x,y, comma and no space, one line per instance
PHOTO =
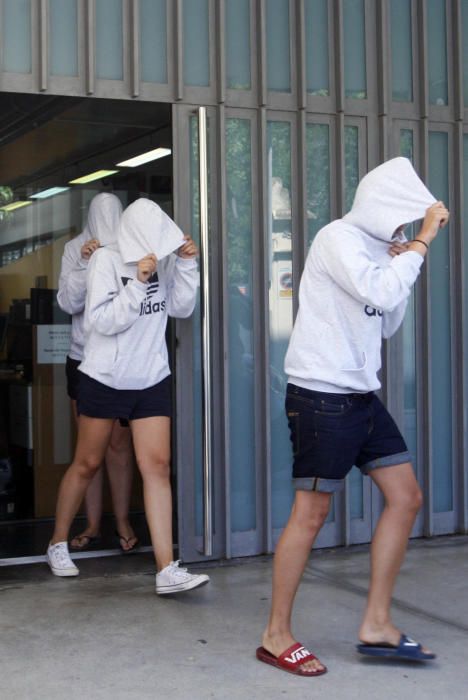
175,579
59,560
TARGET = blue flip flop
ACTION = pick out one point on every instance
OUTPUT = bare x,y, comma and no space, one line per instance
406,649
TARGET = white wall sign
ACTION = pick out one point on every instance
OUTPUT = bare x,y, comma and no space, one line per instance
53,344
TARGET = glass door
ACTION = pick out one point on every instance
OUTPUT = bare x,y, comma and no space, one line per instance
199,461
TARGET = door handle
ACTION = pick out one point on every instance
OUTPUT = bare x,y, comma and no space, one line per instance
205,313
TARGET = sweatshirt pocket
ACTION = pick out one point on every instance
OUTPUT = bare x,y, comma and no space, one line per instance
356,363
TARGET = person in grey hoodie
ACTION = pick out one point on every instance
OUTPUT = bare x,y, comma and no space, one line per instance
133,285
354,289
101,229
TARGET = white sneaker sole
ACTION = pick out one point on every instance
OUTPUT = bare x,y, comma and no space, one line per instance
63,572
196,582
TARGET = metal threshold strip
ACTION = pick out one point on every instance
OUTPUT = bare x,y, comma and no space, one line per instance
94,554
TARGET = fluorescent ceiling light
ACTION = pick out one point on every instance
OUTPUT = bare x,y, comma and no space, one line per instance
97,175
145,157
49,193
15,205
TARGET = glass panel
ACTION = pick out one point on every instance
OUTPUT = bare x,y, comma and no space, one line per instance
465,49
197,349
317,56
196,43
109,39
281,312
355,49
402,50
278,46
238,44
409,337
437,47
351,164
16,36
318,178
465,230
441,370
63,38
355,478
153,40
241,346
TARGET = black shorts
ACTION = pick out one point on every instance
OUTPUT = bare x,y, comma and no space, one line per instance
98,400
331,433
73,377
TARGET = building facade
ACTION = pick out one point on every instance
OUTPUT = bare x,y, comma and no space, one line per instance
301,99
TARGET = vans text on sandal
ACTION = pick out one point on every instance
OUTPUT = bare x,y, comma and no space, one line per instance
406,649
292,660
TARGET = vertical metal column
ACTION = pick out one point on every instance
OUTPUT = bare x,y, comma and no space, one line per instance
206,336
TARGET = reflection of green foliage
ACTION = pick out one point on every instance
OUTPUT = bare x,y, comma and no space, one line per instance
279,141
406,143
351,164
236,85
323,92
239,200
6,196
194,180
318,178
356,94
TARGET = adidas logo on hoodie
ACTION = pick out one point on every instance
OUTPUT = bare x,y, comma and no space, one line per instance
147,306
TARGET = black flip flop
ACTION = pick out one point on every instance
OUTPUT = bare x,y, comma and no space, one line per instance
127,540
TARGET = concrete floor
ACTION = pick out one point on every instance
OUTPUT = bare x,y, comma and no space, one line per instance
106,635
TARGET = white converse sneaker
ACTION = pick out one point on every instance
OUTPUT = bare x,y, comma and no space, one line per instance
175,579
59,560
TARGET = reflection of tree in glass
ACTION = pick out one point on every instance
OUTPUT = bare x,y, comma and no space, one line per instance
318,178
239,202
6,196
406,143
279,142
351,165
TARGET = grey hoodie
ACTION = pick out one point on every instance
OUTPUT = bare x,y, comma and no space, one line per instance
104,214
125,319
352,291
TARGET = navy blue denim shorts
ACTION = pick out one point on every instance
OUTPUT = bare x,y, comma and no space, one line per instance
98,400
331,433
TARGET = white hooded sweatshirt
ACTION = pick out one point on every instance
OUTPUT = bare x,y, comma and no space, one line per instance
104,214
352,291
125,319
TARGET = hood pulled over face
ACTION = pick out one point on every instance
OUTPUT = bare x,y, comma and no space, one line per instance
145,228
104,215
387,197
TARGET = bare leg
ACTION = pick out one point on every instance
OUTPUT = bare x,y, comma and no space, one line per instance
151,439
119,464
403,500
308,514
93,438
93,503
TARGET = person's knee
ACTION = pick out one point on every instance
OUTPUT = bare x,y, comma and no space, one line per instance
311,513
409,500
155,466
88,466
416,499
